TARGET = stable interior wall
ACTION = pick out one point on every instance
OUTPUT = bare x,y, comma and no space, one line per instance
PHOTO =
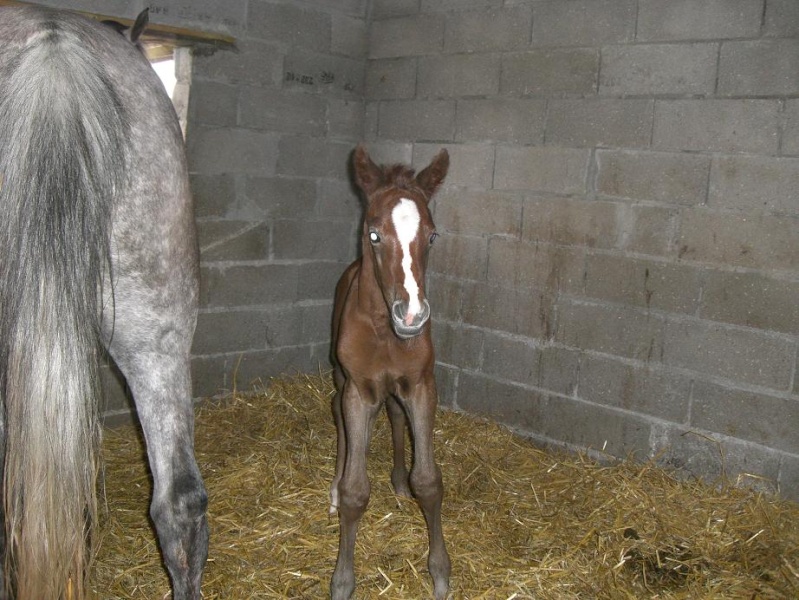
619,269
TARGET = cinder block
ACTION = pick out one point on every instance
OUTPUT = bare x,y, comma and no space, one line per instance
202,15
446,385
470,165
243,330
457,345
782,20
789,477
559,370
247,285
456,5
348,36
284,111
459,256
790,133
751,299
455,75
406,36
759,68
213,104
592,122
716,458
519,312
739,355
315,323
679,20
317,279
755,183
621,331
717,125
670,178
219,374
523,408
116,399
488,31
638,388
535,266
391,78
310,239
583,23
512,120
345,119
313,157
545,72
417,120
571,222
739,240
252,63
444,296
656,69
281,196
233,240
338,200
382,9
214,195
478,213
323,74
760,418
644,283
290,25
594,427
649,230
556,170
215,151
385,152
512,359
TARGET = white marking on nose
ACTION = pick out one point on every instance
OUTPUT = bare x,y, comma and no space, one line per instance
405,217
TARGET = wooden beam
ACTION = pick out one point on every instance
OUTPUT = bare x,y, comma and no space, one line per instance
155,31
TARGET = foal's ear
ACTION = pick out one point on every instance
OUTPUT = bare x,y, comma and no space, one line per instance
368,175
134,33
433,175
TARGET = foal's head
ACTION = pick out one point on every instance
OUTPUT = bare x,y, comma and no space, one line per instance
398,232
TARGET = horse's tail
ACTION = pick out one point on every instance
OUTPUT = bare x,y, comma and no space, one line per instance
62,159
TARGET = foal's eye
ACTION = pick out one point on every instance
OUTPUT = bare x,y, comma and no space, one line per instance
433,237
374,237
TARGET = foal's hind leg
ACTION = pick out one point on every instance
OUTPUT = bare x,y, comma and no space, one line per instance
426,481
399,474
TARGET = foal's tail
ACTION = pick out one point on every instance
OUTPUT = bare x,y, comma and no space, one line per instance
62,157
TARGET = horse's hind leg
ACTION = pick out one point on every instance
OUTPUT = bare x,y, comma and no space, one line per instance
426,481
399,473
150,343
161,387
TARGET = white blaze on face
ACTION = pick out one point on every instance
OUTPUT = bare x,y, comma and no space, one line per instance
405,217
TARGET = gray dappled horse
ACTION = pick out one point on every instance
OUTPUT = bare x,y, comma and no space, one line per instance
97,248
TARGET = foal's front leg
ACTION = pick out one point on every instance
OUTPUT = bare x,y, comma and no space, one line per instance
357,415
426,481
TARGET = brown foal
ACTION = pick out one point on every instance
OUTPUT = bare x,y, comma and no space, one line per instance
384,355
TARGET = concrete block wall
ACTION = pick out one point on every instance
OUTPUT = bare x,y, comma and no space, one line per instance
271,125
619,264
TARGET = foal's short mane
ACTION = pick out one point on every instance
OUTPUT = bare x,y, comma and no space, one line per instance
400,176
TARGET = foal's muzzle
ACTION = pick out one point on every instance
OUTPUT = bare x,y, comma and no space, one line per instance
399,311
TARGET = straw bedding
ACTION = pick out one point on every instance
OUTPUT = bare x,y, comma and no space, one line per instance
519,522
